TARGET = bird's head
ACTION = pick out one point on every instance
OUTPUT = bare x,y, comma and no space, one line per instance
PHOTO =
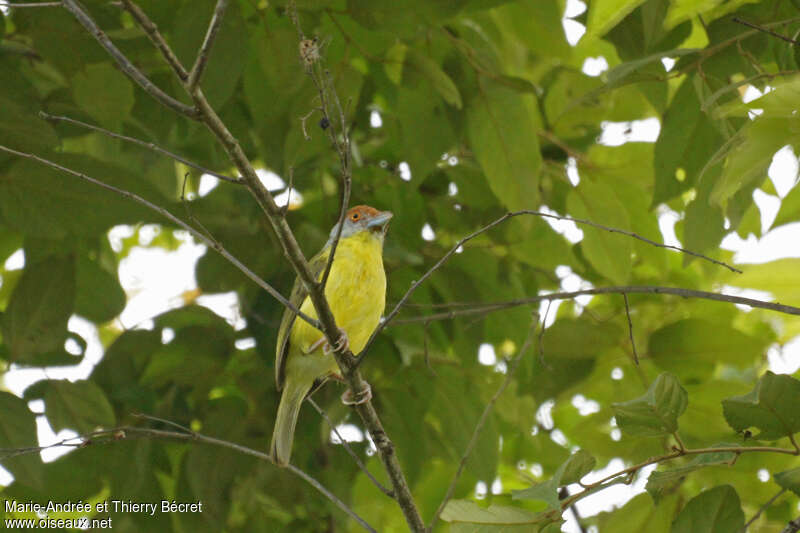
363,218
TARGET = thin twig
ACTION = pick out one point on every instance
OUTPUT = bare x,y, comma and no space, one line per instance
151,30
482,420
765,30
205,49
761,510
628,289
175,220
164,421
499,221
630,328
32,4
349,450
150,146
124,63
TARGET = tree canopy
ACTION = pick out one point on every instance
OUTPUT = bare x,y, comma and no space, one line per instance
476,123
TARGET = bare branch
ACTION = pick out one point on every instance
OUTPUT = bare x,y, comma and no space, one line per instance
31,4
762,509
124,63
482,420
150,146
765,30
151,30
175,220
499,221
349,450
628,289
205,49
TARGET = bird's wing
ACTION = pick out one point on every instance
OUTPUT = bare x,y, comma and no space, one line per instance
297,297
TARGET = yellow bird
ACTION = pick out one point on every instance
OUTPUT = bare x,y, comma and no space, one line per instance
356,293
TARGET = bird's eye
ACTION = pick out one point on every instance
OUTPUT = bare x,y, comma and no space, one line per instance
354,216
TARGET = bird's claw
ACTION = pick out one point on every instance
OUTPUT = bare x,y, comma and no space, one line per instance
365,395
342,344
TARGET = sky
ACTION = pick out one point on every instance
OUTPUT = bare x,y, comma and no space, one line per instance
156,280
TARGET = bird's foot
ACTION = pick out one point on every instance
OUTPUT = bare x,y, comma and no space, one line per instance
365,395
342,344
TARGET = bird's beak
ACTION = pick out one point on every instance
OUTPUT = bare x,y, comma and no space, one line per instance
381,220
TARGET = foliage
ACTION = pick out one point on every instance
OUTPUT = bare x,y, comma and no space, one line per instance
485,102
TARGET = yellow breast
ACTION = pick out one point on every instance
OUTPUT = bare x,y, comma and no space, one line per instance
356,292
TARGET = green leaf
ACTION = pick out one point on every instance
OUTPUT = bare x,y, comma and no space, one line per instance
605,14
536,24
503,136
458,406
790,209
686,142
660,482
579,338
499,515
104,93
99,296
572,470
578,465
716,510
79,405
22,130
435,75
18,430
692,348
40,201
35,321
639,514
751,152
771,407
656,412
781,278
609,253
789,480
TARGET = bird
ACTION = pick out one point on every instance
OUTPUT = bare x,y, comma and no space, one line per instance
356,293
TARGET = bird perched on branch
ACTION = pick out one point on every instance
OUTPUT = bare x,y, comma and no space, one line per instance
356,293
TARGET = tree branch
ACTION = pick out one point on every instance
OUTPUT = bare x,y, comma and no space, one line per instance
150,146
107,436
631,289
482,420
175,220
124,63
205,49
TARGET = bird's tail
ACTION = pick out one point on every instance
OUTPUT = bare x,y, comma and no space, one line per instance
286,420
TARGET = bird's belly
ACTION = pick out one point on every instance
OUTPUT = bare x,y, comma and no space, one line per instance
356,291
